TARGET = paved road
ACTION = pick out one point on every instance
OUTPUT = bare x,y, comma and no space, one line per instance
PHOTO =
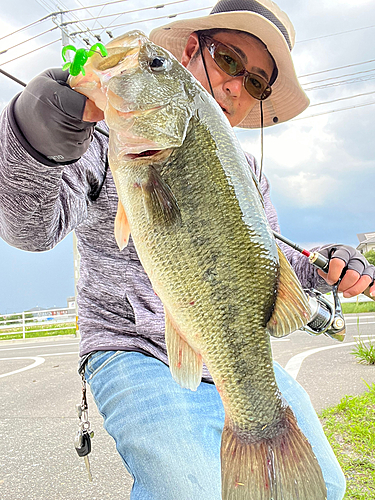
39,388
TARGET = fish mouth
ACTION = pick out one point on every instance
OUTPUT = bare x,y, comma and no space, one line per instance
144,154
154,154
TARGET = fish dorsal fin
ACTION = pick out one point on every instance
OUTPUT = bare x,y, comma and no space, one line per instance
292,310
122,228
185,364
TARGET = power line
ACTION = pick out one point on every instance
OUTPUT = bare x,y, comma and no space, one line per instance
28,40
145,20
96,20
334,111
125,12
341,99
31,51
47,6
96,5
340,76
335,69
78,20
335,34
29,25
343,82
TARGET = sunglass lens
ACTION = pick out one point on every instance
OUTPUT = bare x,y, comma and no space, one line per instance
228,61
257,88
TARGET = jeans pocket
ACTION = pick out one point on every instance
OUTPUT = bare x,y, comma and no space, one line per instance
97,361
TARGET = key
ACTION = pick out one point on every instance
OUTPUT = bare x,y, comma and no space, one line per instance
87,463
82,445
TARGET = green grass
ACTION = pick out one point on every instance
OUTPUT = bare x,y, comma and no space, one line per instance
350,428
358,307
46,331
364,352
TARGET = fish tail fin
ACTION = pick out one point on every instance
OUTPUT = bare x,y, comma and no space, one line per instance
283,467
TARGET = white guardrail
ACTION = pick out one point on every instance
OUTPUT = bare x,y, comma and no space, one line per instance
46,321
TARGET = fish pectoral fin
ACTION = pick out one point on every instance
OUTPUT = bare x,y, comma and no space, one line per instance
185,364
159,201
292,310
122,228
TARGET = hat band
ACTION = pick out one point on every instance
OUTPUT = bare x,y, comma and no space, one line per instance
252,6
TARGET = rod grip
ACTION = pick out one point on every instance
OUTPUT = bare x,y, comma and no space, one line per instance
367,293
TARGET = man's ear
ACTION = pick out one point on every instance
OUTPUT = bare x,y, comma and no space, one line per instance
191,48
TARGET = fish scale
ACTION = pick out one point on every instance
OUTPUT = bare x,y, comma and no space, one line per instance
211,186
189,201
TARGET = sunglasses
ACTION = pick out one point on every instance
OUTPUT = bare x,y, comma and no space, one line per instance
230,62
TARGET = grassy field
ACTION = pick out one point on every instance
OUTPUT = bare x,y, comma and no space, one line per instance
48,330
358,307
350,428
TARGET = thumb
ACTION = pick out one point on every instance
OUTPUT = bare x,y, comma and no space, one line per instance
92,113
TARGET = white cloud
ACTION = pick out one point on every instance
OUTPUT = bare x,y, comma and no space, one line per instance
294,144
302,160
306,189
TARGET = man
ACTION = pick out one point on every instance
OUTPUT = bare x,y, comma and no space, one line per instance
55,178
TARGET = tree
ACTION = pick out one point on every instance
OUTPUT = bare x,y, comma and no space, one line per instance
370,256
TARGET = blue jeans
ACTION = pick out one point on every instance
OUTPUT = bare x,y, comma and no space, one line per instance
169,437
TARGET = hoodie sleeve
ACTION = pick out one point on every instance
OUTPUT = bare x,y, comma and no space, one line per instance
42,201
306,273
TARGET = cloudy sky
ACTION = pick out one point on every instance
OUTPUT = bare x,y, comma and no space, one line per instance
321,165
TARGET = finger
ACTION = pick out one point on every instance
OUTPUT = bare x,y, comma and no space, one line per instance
92,113
359,287
349,279
335,269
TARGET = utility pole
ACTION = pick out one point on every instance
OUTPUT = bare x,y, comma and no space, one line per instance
65,39
77,260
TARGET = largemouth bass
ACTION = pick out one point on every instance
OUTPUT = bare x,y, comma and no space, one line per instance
197,221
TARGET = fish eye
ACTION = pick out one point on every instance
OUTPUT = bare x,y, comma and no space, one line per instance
158,64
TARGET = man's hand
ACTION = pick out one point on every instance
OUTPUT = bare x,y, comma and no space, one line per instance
359,273
54,120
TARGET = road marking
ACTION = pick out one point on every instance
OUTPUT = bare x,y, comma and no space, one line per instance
37,361
361,323
59,354
361,336
37,346
280,340
294,364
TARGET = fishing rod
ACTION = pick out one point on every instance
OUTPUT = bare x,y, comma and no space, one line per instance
326,317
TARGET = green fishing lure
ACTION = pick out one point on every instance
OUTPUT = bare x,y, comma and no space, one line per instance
81,55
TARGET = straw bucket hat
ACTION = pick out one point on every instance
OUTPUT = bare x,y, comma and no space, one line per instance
265,20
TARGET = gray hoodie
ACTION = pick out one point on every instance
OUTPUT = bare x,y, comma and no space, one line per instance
41,202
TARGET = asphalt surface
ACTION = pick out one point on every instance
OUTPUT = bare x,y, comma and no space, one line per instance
39,388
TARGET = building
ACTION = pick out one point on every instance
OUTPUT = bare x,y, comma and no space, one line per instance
366,242
71,301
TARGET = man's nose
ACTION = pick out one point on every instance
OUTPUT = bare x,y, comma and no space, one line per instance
233,85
